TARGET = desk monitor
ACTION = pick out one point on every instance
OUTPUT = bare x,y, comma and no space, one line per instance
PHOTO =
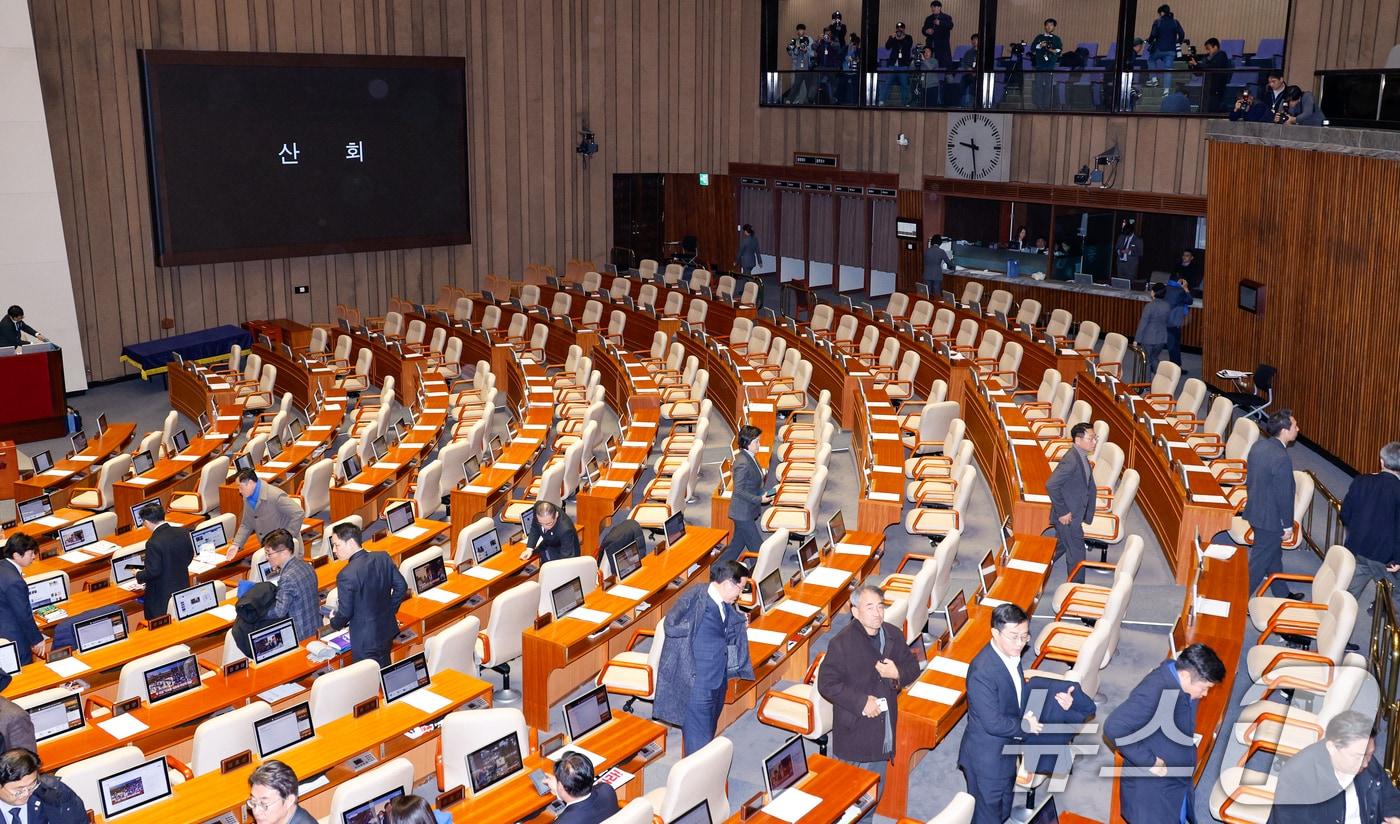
699,814
785,767
587,713
592,470
194,600
496,447
1005,533
399,516
378,448
1126,284
34,509
203,422
266,573
136,511
350,467
78,535
471,467
398,680
955,613
80,442
57,716
486,546
987,571
283,729
836,527
125,567
209,539
567,597
274,448
102,424
1084,279
496,761
43,462
143,462
180,440
675,529
395,435
624,560
242,461
100,631
269,642
430,573
9,657
527,520
47,592
296,428
171,679
770,590
809,555
136,787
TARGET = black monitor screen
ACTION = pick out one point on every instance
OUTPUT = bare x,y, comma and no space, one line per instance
956,613
809,555
136,519
486,546
143,462
404,677
527,520
181,440
770,590
371,812
399,515
429,574
100,631
172,679
493,762
9,657
567,597
34,508
57,716
132,788
625,560
46,591
43,462
837,527
199,598
785,767
699,814
276,155
587,713
675,529
270,642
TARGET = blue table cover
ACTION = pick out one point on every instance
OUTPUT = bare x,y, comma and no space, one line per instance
206,343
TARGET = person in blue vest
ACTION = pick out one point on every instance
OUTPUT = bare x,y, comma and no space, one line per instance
706,645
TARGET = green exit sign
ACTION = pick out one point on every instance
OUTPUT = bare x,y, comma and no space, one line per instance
704,178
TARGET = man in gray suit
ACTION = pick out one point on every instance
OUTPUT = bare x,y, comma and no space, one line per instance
265,508
1128,251
1072,495
1269,508
749,497
748,250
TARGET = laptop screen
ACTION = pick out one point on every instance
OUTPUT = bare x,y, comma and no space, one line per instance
567,597
283,729
134,788
34,509
181,440
955,613
270,642
1005,541
675,529
587,713
987,571
125,567
785,767
136,511
57,716
378,448
699,814
77,536
836,527
203,422
191,602
102,424
429,574
494,762
486,546
209,538
43,462
471,467
274,448
79,441
399,516
527,520
809,555
244,461
9,657
404,677
770,590
143,462
47,591
172,679
625,560
100,631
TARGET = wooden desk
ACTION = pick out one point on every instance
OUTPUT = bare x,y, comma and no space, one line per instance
294,378
57,482
387,362
170,476
191,396
297,335
41,532
838,784
289,469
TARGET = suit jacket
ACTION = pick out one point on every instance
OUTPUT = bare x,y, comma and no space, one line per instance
993,718
1049,751
16,618
168,556
559,542
1371,512
1071,489
1269,483
676,669
847,678
370,591
596,807
16,728
298,598
1128,263
1152,326
1308,792
748,252
275,510
1141,737
55,803
746,504
10,332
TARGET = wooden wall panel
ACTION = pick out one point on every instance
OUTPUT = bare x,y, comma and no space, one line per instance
1326,268
708,212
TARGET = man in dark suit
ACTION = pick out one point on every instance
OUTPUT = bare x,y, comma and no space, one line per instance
552,534
12,325
1310,785
265,508
29,797
1072,497
586,800
1159,750
1371,512
16,727
1269,508
706,645
370,590
997,720
748,250
866,666
1128,252
168,555
16,618
748,498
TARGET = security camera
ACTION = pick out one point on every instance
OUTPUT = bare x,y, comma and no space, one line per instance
902,140
587,146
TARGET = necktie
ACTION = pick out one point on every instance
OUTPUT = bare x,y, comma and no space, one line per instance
14,815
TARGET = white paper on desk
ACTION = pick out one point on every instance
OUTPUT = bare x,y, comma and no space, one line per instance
1212,607
761,407
83,458
508,467
330,407
440,595
753,383
886,468
1194,468
798,608
1220,552
123,726
477,490
1026,566
766,636
792,805
318,429
425,427
1068,352
611,484
934,693
528,441
1004,405
267,476
225,612
75,556
484,573
591,616
199,567
628,467
851,549
948,666
425,700
68,667
1023,442
630,593
387,466
228,418
307,444
277,464
186,458
275,694
1036,498
885,436
635,444
51,520
824,576
615,777
409,533
54,473
885,417
216,436
884,496
1208,499
991,602
354,487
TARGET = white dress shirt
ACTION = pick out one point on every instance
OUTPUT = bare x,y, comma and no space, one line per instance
1348,782
1013,666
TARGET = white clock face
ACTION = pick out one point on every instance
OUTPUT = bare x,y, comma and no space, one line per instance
976,147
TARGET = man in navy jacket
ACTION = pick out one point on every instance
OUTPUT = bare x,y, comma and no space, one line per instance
587,800
1269,508
1154,731
16,618
1371,512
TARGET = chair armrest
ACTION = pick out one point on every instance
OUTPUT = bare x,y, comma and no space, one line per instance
1300,657
1278,626
922,558
637,637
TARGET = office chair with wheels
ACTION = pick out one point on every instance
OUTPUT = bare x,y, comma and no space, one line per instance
1259,397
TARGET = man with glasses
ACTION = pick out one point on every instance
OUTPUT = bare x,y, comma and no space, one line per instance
866,666
1072,498
297,595
27,797
272,795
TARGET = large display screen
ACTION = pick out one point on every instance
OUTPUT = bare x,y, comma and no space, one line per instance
275,155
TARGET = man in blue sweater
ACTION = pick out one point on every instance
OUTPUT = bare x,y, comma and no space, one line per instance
1371,512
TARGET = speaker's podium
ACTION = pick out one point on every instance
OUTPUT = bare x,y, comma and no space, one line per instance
31,380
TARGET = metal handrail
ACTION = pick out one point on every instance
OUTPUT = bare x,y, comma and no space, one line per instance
1385,666
1335,531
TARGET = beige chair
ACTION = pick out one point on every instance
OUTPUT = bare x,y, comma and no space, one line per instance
316,487
334,694
1110,527
763,563
1207,438
1233,465
530,296
1110,357
1089,661
1243,796
462,552
225,735
822,317
367,786
957,811
799,517
639,810
1286,728
932,428
1277,666
358,379
1000,301
592,282
512,612
466,731
928,589
672,274
1086,600
1086,338
1303,485
1270,614
1065,641
972,293
675,303
1058,325
800,708
936,522
633,673
100,496
897,306
1028,312
646,296
205,497
554,574
700,776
